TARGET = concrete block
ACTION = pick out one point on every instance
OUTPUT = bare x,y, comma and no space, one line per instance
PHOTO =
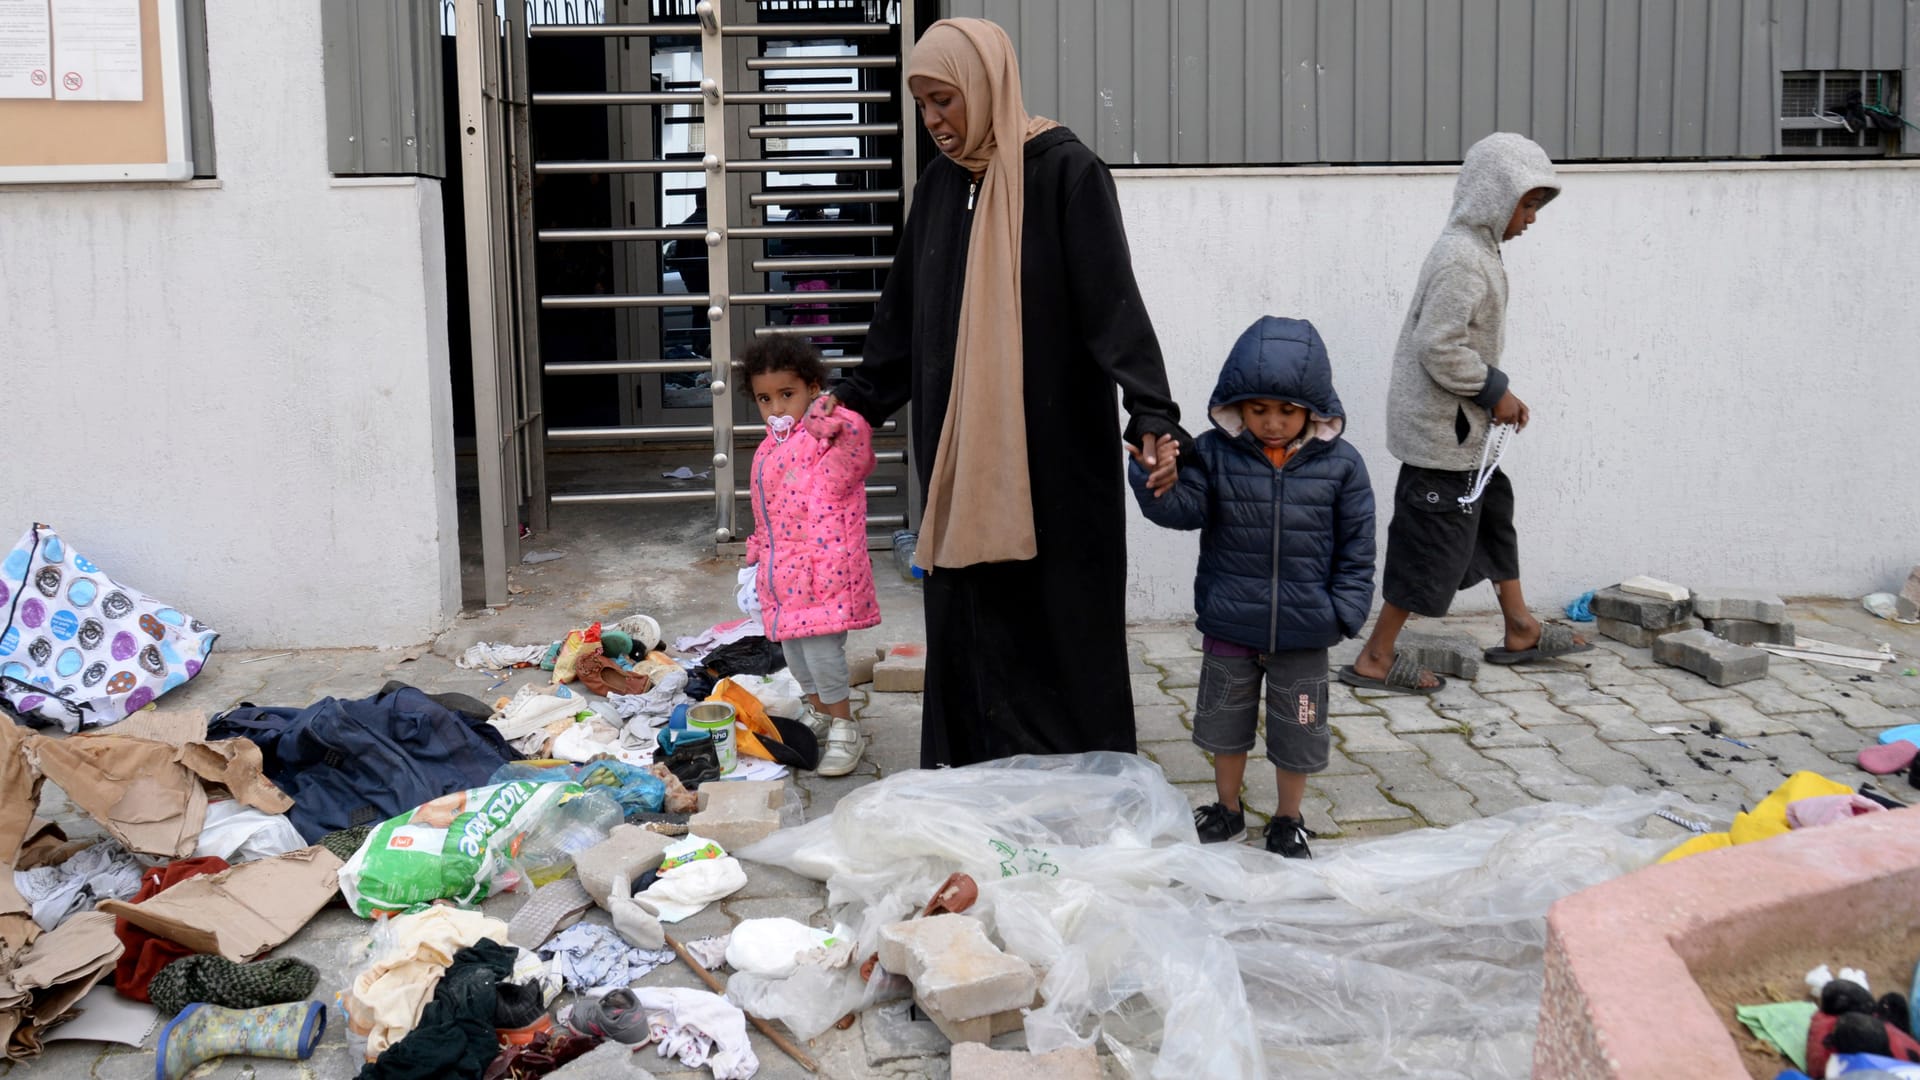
735,813
902,669
955,969
1639,637
1754,605
1647,612
1751,632
1643,585
1714,659
980,1029
973,1061
1454,654
860,668
628,850
1909,605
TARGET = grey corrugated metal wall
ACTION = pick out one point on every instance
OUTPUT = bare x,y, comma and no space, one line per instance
1267,81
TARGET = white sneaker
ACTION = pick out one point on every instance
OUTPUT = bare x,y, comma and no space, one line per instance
820,723
843,749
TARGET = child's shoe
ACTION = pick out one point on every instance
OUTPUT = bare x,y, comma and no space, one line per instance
1287,838
1216,824
818,722
844,746
614,1015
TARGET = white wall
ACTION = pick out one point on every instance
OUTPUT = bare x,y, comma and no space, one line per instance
234,396
1723,362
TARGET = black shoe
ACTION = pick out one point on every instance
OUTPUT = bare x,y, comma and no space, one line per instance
1287,838
1217,824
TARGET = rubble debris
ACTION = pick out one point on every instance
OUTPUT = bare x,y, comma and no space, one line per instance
628,850
957,972
1755,605
1451,653
1714,659
1647,612
737,813
902,669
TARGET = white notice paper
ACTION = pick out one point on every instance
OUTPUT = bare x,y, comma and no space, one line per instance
26,50
96,50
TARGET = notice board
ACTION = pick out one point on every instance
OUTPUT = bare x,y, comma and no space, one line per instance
92,90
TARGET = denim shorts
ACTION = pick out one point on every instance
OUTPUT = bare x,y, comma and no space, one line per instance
1227,718
1436,547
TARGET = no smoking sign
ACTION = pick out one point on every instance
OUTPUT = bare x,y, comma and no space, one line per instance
38,77
72,80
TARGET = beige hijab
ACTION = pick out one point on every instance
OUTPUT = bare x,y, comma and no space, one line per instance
979,506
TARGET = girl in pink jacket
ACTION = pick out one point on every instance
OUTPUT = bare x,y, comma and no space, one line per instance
809,541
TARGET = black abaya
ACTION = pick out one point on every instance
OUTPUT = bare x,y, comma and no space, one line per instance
1029,656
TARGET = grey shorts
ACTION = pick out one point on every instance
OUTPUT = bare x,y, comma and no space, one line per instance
1229,703
820,663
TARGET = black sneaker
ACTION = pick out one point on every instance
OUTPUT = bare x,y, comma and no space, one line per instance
1217,824
1287,838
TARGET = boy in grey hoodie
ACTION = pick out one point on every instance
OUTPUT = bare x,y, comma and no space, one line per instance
1447,394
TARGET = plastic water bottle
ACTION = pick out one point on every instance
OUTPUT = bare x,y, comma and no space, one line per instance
904,543
546,851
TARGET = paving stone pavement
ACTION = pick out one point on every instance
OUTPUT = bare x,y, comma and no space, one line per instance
1560,730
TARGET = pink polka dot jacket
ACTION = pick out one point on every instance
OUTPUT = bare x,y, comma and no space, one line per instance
809,538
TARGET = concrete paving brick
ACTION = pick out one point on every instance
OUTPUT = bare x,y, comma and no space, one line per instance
1500,679
1739,718
1137,664
1829,734
630,851
1633,657
1721,798
1179,671
739,812
1750,632
1639,637
1457,694
1716,660
1565,689
902,669
1496,730
1859,710
766,882
1538,769
1800,676
1357,799
1655,704
955,968
1616,723
1650,612
1366,735
1408,713
1605,670
1771,697
1452,758
1497,793
1533,708
1443,652
1339,764
1440,808
1672,762
1685,686
1794,752
1733,602
1582,750
1166,641
1147,691
1188,697
1405,772
1182,762
808,910
973,1061
1890,688
1342,702
1157,723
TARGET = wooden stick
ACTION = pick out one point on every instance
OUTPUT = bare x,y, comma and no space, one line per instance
766,1029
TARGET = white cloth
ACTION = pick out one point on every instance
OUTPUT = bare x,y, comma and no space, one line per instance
710,951
237,833
699,1028
725,633
495,655
656,705
531,710
589,956
105,871
685,891
747,595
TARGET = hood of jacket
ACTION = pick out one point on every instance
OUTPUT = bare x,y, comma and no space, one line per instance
1498,170
1284,360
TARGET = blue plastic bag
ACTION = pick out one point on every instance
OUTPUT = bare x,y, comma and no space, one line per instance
634,788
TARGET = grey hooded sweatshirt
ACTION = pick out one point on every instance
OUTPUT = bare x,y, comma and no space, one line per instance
1446,367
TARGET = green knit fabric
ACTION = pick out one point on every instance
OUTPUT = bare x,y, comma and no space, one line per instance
345,842
217,980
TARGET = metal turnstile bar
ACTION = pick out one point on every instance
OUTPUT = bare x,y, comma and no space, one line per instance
687,165
615,30
641,300
627,367
620,97
770,97
848,262
584,497
786,30
819,131
890,457
796,63
829,197
810,164
664,432
802,232
824,296
816,330
557,236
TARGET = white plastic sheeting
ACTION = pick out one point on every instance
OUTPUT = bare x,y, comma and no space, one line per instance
1413,955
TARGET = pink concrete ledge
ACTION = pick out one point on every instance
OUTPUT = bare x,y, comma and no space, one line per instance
1620,998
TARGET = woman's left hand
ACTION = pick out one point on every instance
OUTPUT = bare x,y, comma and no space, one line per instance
1159,455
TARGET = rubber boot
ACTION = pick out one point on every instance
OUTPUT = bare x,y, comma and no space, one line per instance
203,1032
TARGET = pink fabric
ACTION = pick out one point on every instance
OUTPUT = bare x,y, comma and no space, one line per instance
810,528
1827,809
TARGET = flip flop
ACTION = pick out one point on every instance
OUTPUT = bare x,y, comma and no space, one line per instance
1556,640
1402,678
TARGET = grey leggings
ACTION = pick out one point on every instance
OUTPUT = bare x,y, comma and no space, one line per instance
820,663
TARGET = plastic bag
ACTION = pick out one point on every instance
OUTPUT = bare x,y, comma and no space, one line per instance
1417,954
457,847
773,947
237,832
636,789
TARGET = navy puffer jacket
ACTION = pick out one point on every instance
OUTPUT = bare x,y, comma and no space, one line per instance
1286,555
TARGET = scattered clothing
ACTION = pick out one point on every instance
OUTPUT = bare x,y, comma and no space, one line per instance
80,649
217,980
1580,608
550,1051
204,1032
146,953
348,763
105,871
344,842
589,956
726,633
711,952
685,891
240,833
1827,809
455,1036
655,706
388,998
703,1030
498,656
753,655
1769,818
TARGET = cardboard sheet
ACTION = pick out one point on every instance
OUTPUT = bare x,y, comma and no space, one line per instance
148,795
242,912
40,985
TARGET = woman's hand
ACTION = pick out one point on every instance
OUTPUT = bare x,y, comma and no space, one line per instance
1159,455
826,403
